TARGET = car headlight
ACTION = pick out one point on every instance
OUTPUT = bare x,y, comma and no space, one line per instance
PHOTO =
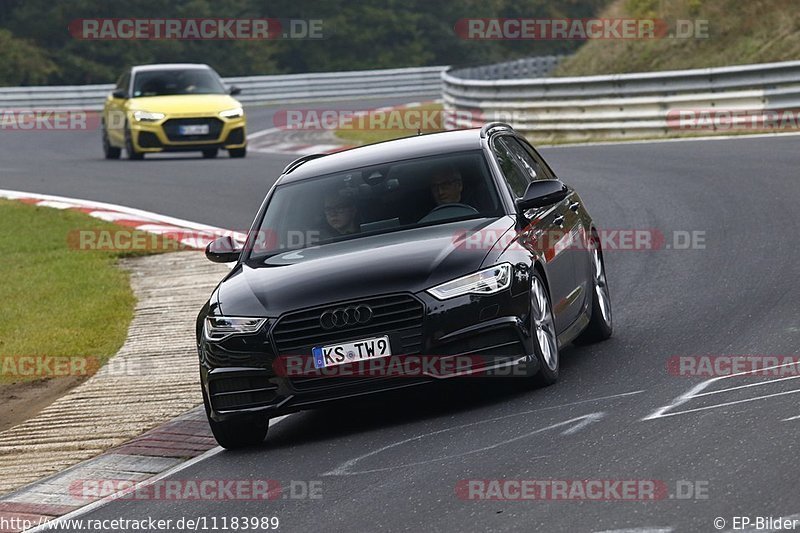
147,116
487,281
221,327
232,113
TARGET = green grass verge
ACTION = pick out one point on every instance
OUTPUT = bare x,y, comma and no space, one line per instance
361,132
57,300
738,33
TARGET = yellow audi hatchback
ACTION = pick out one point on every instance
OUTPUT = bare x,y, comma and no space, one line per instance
172,108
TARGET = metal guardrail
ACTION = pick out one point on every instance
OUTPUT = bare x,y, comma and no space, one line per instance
527,67
417,81
616,106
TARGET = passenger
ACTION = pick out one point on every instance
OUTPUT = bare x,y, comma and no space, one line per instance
341,216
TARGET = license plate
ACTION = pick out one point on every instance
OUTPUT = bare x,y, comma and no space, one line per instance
350,352
193,129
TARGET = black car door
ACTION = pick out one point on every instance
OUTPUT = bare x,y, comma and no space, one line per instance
554,231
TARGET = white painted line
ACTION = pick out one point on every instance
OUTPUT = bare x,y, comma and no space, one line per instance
639,530
579,402
261,133
91,204
726,404
695,392
679,139
53,524
587,420
576,423
110,216
791,418
321,148
759,384
54,204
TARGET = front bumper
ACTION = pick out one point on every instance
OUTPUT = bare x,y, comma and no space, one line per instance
465,336
165,135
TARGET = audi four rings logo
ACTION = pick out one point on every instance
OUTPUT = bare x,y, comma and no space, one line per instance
345,316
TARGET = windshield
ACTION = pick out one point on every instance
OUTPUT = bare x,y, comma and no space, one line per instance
177,81
377,199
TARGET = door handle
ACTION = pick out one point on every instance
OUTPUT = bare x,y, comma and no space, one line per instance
559,220
574,206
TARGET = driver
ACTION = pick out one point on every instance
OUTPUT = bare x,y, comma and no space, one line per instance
340,215
446,185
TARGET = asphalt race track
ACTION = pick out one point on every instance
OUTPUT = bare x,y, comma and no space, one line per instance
394,462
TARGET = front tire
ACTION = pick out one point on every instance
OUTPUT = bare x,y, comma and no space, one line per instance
211,153
129,148
238,152
236,434
543,333
600,325
110,152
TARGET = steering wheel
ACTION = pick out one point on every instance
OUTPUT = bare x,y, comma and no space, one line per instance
437,213
472,210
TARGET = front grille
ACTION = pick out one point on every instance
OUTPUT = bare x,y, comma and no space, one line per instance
399,316
236,136
148,139
498,342
172,129
355,385
241,392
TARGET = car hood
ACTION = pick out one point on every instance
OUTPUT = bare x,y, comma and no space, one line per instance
404,261
189,104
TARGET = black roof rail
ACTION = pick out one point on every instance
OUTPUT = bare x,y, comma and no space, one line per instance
300,160
492,125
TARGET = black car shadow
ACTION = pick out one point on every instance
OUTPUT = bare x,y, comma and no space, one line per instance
410,405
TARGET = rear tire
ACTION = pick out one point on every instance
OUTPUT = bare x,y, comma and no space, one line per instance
110,152
211,153
238,433
237,152
600,325
129,149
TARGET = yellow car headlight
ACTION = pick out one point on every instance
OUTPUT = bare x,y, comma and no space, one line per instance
147,116
232,113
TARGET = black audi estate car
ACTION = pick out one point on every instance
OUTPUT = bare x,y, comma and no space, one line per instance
397,264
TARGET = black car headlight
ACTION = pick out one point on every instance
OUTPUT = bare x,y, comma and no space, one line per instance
487,281
218,328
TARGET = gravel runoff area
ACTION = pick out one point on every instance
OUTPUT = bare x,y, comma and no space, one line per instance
152,379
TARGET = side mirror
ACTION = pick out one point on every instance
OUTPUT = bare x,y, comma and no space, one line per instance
233,91
119,93
542,193
223,250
